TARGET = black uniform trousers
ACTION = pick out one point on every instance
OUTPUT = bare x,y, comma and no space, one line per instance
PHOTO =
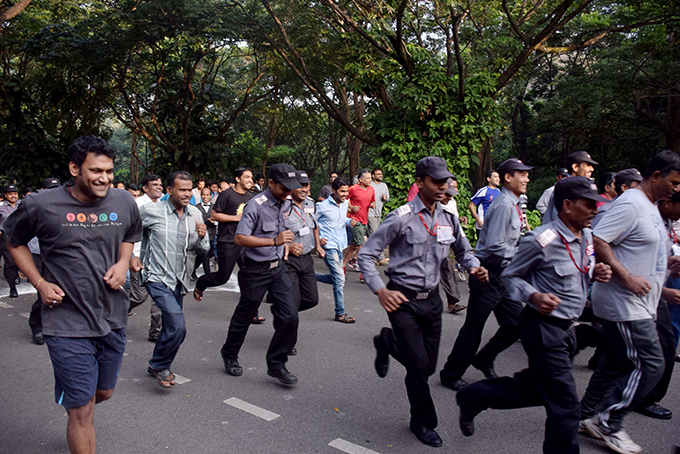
35,318
549,381
414,342
484,299
227,256
254,279
668,345
9,268
302,275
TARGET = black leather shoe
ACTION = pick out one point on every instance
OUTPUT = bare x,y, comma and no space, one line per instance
455,385
466,418
655,411
38,338
382,358
232,367
283,376
425,434
153,339
193,276
292,352
488,372
13,293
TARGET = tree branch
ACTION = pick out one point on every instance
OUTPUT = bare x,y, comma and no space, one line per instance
14,11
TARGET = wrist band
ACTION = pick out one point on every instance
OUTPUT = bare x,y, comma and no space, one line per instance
38,283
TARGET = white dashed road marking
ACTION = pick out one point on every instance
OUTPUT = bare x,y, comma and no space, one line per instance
5,305
25,314
181,380
350,448
252,409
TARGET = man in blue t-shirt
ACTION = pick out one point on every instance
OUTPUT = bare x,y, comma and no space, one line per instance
482,199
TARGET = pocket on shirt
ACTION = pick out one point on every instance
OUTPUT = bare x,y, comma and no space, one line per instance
269,226
418,242
569,277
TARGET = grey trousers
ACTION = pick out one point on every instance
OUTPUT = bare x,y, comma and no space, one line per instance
138,295
448,281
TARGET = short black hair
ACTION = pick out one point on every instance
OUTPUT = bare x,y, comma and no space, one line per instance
664,162
231,180
334,172
606,179
149,178
239,171
27,190
259,176
83,145
375,170
675,198
491,172
199,179
116,182
211,182
181,174
131,187
338,183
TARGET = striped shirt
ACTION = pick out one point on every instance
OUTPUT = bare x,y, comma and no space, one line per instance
170,243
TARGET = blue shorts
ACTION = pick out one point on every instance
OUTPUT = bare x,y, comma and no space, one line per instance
83,365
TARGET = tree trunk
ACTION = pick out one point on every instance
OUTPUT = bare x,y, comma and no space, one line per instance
484,156
673,134
134,162
269,144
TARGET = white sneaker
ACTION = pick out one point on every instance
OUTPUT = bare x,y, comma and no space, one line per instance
618,441
583,429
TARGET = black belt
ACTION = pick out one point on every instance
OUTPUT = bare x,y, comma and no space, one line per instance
561,323
414,295
269,265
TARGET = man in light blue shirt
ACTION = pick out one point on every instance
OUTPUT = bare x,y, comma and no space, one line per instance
332,219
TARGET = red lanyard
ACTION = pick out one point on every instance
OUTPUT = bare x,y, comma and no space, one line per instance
673,237
585,268
426,227
298,214
521,218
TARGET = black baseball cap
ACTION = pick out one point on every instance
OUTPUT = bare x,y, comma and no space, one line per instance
561,171
434,167
575,188
284,174
511,165
50,183
11,188
627,177
580,156
302,177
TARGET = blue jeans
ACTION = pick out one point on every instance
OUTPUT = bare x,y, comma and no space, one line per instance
173,330
333,260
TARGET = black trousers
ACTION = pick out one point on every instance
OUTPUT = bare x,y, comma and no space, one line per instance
667,340
414,342
548,381
484,299
254,282
302,275
227,256
35,318
9,268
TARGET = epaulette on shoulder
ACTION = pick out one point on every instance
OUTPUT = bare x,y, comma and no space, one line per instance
546,237
261,199
403,210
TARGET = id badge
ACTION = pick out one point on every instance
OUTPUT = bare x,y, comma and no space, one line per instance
591,270
444,233
304,231
675,248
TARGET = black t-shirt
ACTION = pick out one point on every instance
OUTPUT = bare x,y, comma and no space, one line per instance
231,203
78,243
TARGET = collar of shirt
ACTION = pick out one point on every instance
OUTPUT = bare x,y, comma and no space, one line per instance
510,194
563,230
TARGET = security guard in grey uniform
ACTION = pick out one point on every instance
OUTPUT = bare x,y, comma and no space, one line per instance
551,273
300,220
503,226
419,235
9,269
262,233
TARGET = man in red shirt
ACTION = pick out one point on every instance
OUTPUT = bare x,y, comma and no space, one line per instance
361,198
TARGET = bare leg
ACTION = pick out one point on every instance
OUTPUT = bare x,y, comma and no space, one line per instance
351,249
80,429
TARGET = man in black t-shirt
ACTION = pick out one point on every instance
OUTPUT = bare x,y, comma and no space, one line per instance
86,232
227,212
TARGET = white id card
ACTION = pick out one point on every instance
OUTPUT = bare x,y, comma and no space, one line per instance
304,231
444,233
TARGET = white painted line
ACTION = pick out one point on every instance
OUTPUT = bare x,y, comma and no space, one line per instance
350,448
25,314
5,305
252,409
181,380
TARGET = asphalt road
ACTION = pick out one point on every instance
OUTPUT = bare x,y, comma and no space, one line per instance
339,405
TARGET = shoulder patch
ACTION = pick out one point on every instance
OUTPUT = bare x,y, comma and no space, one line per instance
404,209
546,237
261,199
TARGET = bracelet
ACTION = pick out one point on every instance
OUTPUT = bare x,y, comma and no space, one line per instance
38,283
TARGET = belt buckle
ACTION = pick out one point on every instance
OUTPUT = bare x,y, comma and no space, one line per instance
422,295
273,265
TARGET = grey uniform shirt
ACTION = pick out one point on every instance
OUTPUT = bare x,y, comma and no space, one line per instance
302,222
6,209
170,243
263,217
542,204
543,264
380,190
415,254
501,231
